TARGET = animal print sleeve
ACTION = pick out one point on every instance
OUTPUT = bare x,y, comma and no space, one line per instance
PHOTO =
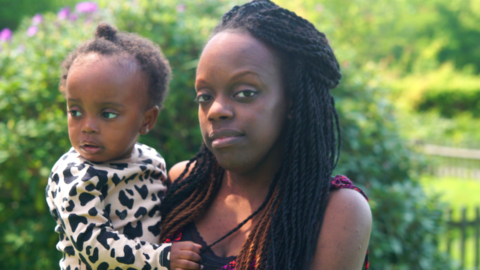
76,195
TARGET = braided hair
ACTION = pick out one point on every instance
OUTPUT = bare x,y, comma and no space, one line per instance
291,216
109,42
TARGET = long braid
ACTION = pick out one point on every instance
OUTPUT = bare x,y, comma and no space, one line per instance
182,191
289,221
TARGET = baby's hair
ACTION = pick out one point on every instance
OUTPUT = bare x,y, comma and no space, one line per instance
109,42
289,224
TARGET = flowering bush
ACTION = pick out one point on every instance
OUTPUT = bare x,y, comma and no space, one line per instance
33,131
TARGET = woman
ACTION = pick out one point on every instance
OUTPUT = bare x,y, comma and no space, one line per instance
271,142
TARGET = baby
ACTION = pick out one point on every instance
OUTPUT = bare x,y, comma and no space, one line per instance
105,192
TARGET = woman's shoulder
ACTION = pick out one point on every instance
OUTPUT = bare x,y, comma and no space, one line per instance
348,202
178,169
346,228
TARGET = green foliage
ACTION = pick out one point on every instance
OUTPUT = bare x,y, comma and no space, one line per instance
439,107
33,131
406,222
32,136
406,35
12,12
411,41
451,102
448,92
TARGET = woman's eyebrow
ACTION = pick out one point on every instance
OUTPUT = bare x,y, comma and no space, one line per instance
244,73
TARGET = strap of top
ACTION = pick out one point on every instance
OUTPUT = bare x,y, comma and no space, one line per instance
341,181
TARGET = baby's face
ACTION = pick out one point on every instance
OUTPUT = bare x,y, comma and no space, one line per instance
106,101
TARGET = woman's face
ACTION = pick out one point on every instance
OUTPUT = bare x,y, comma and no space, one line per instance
242,102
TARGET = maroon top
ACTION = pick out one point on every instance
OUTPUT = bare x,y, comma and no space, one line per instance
211,261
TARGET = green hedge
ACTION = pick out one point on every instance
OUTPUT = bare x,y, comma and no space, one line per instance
33,132
451,102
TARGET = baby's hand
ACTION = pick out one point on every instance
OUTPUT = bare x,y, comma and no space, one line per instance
185,255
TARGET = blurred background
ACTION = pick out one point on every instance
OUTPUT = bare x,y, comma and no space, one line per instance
409,104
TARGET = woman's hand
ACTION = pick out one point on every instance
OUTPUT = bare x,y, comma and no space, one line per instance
185,255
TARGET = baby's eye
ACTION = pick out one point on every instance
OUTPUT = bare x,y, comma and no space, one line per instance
246,94
203,98
109,115
75,113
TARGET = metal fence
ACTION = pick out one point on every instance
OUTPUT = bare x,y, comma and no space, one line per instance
469,231
463,235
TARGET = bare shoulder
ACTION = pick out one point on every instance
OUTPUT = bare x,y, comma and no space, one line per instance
178,169
345,232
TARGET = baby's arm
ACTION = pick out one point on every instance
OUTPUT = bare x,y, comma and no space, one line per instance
84,219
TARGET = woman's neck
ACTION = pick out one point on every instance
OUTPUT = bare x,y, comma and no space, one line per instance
253,186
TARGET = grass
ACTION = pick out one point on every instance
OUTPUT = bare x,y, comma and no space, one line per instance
457,193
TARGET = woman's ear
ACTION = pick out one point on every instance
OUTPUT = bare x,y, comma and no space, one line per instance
149,119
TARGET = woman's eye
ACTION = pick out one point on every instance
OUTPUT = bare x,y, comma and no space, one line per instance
109,115
75,113
246,94
203,98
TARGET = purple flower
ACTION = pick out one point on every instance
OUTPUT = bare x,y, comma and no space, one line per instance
32,30
37,19
6,34
73,17
86,7
63,13
180,8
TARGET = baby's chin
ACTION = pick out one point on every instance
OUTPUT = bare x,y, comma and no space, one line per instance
97,159
100,157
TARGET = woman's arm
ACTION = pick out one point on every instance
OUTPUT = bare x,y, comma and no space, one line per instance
345,232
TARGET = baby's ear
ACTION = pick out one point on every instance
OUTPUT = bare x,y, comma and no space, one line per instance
149,119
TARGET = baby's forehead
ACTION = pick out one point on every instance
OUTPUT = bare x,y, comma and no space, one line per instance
99,77
125,62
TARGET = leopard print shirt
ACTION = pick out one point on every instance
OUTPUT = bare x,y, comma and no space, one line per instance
108,214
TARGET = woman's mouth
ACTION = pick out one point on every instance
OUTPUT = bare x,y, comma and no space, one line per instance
226,141
225,137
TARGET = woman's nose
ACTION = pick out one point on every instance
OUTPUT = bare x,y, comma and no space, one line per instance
221,109
90,125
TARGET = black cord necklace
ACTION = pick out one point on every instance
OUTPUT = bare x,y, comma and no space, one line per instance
270,193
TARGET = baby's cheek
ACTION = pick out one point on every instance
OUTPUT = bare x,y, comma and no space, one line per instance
72,135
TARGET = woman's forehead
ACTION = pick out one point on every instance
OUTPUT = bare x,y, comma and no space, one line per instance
238,49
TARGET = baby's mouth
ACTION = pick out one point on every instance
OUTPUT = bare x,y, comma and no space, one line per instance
90,148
